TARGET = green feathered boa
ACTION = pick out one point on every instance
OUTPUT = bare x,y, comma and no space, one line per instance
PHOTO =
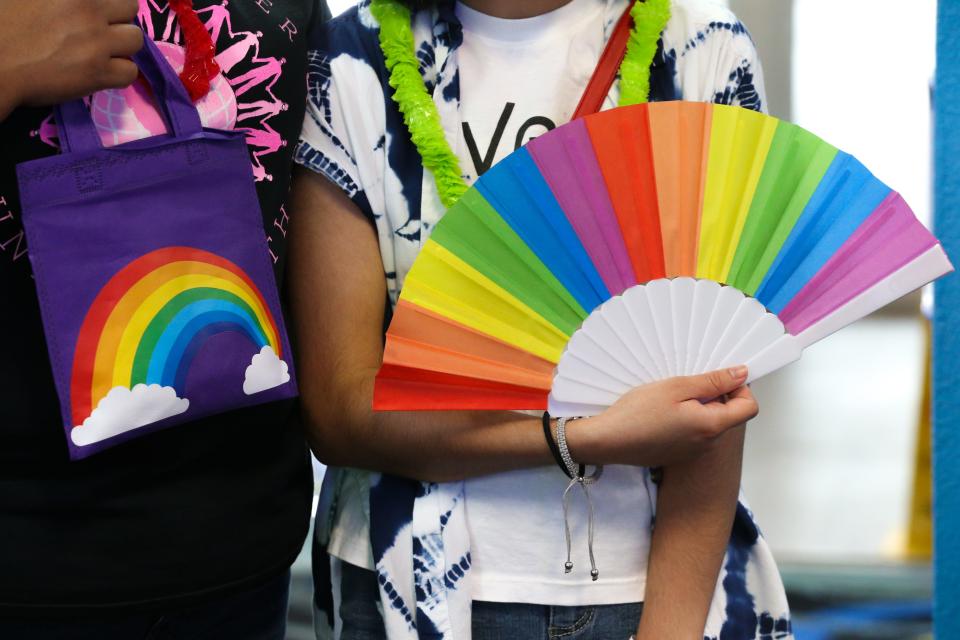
420,114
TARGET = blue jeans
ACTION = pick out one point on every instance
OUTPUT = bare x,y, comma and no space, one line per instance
496,621
361,617
259,613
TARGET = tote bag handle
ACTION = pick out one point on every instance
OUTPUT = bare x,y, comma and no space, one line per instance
75,126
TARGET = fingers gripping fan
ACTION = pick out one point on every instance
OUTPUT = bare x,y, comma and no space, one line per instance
642,243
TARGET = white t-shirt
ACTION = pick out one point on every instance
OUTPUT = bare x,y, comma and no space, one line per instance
519,79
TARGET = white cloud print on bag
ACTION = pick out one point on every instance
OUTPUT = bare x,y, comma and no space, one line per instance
124,409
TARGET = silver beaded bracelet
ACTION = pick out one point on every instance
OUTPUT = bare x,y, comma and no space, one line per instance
568,462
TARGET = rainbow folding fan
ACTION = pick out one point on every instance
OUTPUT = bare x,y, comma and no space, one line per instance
642,243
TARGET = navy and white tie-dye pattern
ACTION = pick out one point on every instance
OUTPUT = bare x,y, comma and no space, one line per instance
354,135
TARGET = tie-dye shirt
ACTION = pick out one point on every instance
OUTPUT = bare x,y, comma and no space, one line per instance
354,135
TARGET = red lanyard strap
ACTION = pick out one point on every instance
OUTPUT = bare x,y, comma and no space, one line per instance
606,71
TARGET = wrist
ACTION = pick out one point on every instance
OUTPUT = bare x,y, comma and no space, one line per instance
583,440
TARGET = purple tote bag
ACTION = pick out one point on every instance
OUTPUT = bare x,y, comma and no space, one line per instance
157,292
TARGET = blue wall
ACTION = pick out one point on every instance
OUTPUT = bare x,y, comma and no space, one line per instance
946,352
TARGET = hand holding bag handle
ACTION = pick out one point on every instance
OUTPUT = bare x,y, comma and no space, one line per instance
78,132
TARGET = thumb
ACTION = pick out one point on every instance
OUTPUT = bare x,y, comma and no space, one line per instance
713,384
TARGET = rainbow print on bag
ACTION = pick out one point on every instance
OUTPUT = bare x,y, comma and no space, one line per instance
145,329
642,243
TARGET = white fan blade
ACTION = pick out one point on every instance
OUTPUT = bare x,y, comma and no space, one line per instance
728,300
929,266
568,390
605,336
584,348
764,333
748,314
681,301
785,350
639,310
704,299
578,372
658,298
559,409
616,314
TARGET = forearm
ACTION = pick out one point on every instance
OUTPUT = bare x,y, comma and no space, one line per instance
337,295
696,504
432,446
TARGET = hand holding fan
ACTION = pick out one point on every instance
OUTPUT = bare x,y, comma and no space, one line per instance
642,243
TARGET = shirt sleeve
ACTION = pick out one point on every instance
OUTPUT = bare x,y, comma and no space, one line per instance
713,55
743,84
327,144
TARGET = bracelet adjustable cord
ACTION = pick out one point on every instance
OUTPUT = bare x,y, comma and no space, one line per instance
577,476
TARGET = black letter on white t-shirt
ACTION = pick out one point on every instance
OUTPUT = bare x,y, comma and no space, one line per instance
543,121
482,164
